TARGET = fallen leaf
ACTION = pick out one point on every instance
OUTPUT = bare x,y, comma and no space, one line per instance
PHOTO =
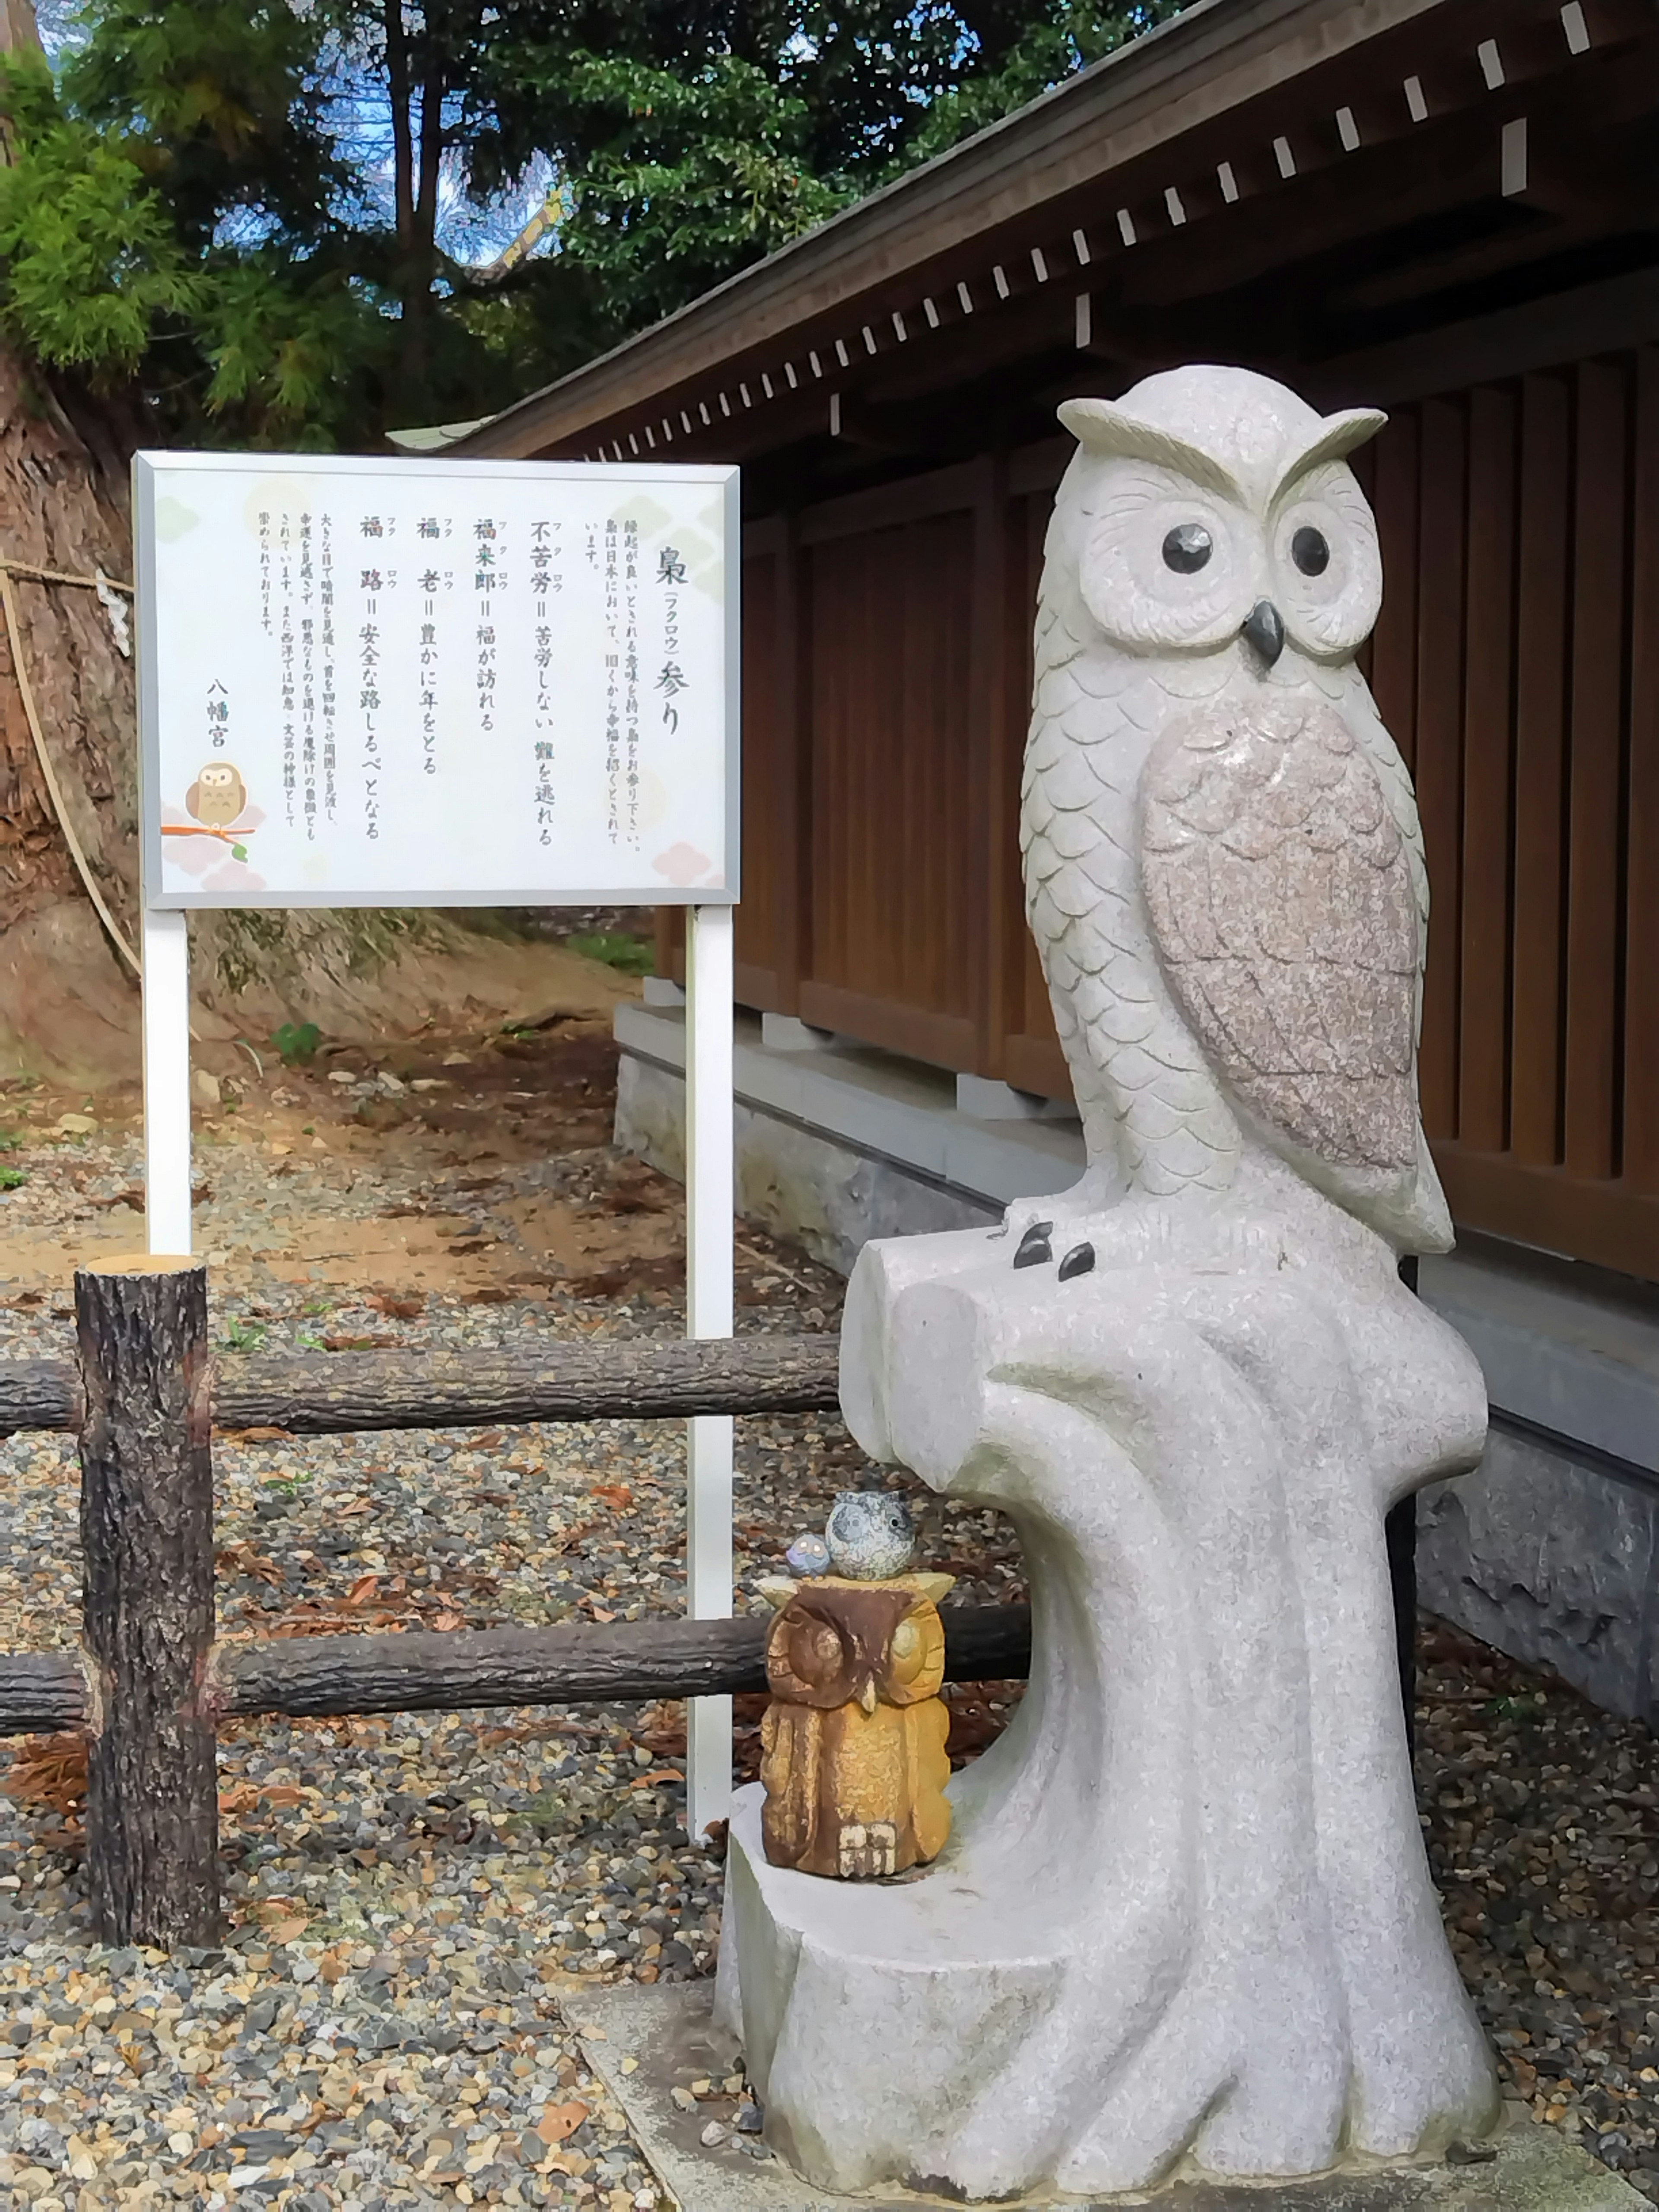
362,1589
657,1774
242,1797
50,1771
396,1308
559,2121
243,1560
134,1198
614,1493
448,1620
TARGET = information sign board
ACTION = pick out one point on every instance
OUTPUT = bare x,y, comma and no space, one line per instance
404,683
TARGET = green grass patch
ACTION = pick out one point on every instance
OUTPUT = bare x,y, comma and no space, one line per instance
297,1043
630,955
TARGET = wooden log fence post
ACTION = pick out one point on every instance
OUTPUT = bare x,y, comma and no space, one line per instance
152,1815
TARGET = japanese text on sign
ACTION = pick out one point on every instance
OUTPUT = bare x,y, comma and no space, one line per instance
370,682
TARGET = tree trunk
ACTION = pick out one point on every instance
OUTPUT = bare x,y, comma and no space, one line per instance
63,507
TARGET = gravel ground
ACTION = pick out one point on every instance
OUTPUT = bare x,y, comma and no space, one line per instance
416,1903
409,1899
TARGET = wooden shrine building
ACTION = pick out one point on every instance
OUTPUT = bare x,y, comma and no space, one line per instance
1448,208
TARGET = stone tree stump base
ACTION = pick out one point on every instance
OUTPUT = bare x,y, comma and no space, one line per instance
669,2036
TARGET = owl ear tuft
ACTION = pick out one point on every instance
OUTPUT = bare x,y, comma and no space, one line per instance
930,1586
1336,436
1102,428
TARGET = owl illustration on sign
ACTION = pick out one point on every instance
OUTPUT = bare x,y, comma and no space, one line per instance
853,1760
1224,870
218,796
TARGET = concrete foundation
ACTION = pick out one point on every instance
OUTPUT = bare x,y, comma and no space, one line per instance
646,2043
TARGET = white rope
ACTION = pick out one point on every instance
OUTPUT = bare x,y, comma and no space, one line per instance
8,569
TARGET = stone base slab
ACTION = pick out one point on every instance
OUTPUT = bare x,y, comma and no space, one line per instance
669,2035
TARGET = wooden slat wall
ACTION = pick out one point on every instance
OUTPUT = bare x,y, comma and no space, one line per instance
767,929
895,902
1516,662
1530,636
1032,1059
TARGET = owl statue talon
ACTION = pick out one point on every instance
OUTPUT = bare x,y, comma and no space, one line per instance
1034,1249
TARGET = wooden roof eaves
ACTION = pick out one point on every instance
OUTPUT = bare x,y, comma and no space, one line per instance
1215,56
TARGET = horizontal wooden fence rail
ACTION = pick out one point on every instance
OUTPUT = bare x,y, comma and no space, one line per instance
332,1394
150,1686
323,1676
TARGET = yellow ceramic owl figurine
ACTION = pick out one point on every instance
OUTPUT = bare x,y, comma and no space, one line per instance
853,1760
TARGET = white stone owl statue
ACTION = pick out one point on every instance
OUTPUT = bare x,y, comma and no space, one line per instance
1224,868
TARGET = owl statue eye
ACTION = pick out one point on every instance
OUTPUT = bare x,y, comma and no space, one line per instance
816,1650
1310,552
1164,563
1187,548
1328,574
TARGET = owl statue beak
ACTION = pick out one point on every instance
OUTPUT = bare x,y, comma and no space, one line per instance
867,1696
1265,629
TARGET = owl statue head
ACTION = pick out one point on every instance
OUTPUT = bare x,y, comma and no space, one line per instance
1210,505
836,1643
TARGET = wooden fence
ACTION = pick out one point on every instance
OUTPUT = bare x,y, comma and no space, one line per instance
150,1684
887,688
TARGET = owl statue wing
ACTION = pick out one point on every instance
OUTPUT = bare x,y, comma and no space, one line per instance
1281,894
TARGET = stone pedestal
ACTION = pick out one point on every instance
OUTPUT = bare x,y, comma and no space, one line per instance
1184,1925
646,2043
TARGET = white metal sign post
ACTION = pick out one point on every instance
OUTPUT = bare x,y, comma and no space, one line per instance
425,682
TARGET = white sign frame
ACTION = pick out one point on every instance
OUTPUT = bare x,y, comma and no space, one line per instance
148,467
708,1071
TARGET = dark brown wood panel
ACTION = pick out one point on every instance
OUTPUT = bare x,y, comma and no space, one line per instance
1541,727
1483,987
1594,799
1393,671
1642,898
767,877
1032,1057
897,891
1441,515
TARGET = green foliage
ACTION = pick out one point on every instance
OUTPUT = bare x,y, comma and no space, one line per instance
92,259
13,1178
687,176
296,1042
632,956
1067,37
244,1336
181,212
11,1141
